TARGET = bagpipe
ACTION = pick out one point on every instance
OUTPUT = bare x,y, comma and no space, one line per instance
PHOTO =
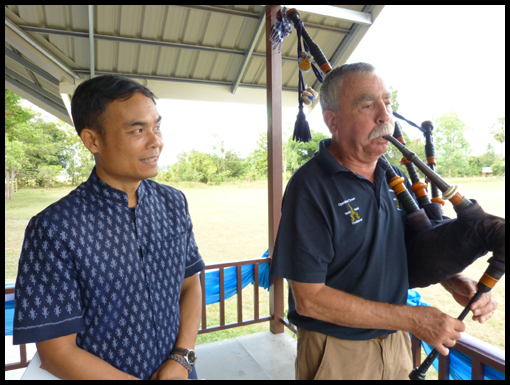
437,247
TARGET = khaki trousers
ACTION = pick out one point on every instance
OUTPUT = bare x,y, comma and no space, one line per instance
322,357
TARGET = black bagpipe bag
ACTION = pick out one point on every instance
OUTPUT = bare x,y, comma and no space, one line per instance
438,252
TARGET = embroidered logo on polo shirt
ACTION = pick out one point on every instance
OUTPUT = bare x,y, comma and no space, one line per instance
399,208
353,212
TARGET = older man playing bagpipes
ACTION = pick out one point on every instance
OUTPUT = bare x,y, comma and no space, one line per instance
342,245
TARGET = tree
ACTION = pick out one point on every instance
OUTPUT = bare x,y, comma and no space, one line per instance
305,151
394,101
498,130
220,158
15,117
394,156
234,164
258,158
452,148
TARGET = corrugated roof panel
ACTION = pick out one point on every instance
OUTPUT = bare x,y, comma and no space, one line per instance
16,67
106,20
32,15
130,20
356,7
106,55
213,28
166,62
79,18
174,24
241,30
57,16
48,86
153,19
218,63
26,77
146,58
232,68
228,27
191,27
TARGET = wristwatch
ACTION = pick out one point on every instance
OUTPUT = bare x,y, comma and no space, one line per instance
188,354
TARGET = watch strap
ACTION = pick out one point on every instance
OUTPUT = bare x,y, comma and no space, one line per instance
181,351
181,361
188,354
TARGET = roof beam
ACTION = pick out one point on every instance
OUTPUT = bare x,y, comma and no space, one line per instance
124,39
19,87
136,40
345,14
351,41
249,52
30,66
91,41
17,38
185,80
235,12
34,86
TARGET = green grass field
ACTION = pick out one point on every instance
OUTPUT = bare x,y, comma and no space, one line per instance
230,223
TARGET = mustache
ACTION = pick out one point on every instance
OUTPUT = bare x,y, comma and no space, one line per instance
382,130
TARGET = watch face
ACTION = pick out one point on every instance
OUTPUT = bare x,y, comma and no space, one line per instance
192,357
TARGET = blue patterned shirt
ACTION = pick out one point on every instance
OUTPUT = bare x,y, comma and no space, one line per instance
91,265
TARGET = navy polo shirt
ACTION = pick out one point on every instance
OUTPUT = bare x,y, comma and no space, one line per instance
341,229
91,265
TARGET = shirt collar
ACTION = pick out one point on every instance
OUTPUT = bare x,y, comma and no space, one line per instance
331,165
105,191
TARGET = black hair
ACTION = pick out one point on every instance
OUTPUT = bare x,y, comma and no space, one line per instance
91,98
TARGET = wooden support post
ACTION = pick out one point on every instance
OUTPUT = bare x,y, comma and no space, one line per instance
274,160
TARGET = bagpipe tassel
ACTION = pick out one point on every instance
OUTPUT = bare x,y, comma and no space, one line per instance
301,128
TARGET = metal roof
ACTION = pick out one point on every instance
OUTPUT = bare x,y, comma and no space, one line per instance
195,52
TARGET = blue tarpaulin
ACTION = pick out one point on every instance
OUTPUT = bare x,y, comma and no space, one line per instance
212,280
9,310
9,317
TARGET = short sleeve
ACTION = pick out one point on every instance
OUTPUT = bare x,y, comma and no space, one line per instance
304,246
47,297
194,261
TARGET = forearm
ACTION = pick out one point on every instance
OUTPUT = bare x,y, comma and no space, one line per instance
344,309
74,363
191,313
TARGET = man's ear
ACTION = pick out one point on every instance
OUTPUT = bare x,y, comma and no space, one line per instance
331,120
92,140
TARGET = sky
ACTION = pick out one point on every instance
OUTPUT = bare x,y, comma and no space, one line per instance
440,58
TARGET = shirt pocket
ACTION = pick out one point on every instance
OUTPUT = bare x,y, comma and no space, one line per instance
177,246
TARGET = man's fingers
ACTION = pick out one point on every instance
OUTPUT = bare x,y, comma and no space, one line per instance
443,350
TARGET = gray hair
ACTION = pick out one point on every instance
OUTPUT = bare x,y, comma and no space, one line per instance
329,95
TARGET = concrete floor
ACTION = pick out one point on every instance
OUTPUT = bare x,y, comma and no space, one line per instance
259,356
12,355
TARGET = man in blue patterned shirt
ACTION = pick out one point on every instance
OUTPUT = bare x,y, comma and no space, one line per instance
107,281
